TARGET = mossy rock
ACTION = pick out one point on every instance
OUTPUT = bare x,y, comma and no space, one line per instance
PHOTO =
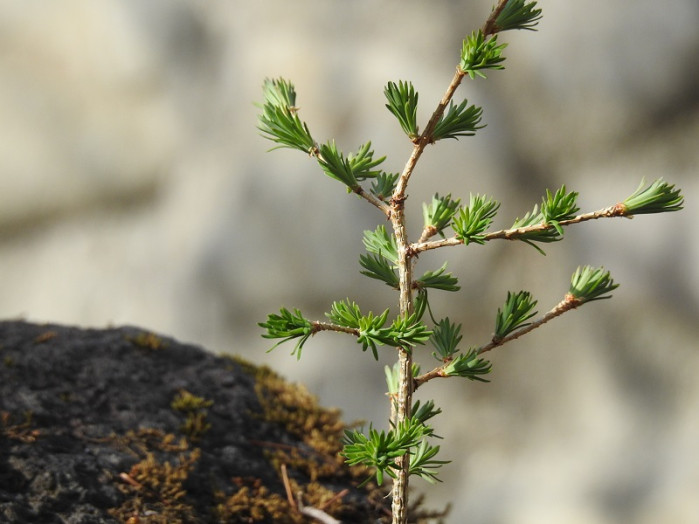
123,425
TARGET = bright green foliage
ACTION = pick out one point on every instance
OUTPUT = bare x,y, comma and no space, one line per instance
380,449
402,102
335,165
461,120
347,314
518,14
559,206
468,366
288,326
422,463
438,280
381,243
380,268
362,163
384,184
479,53
421,303
445,339
407,332
279,121
404,332
423,413
369,327
279,93
470,222
518,308
372,334
546,235
439,213
351,170
659,197
591,283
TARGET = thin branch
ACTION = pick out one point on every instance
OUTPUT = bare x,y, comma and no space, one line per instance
435,244
490,27
425,138
369,197
427,233
618,210
437,372
569,302
359,190
327,326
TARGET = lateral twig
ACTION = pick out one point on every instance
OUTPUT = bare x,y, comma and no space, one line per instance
328,326
490,27
421,142
359,190
569,302
618,210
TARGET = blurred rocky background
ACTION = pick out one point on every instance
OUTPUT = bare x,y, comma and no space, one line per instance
134,189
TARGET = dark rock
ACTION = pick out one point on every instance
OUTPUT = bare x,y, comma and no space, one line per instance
89,434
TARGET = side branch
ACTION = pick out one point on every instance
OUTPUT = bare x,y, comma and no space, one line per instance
618,210
421,142
357,189
490,27
437,372
327,326
569,302
380,204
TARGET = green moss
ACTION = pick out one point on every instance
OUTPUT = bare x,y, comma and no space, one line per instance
155,492
154,486
195,409
297,410
320,430
144,440
253,502
147,340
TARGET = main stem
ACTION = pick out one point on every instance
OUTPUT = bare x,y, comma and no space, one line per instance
402,404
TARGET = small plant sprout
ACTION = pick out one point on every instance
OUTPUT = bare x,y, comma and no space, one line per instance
407,448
